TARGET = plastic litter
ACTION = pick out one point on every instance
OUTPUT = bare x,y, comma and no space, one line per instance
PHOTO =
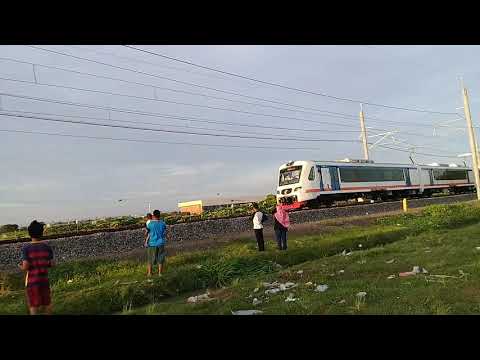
361,294
70,281
344,252
270,285
416,270
272,291
391,277
255,290
290,298
247,312
300,272
321,288
390,261
200,298
255,302
309,283
343,301
341,271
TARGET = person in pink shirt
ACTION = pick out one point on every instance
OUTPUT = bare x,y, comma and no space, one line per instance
281,222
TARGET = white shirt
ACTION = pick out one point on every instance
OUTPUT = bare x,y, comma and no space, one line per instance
257,220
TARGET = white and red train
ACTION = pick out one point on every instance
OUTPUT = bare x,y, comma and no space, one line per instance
312,183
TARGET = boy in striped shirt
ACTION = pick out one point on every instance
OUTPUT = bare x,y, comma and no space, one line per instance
37,257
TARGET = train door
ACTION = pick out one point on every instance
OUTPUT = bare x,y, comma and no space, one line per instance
319,170
407,177
325,182
335,181
430,173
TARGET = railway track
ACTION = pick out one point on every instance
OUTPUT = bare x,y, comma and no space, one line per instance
414,202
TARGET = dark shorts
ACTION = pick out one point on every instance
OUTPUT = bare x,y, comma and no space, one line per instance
156,255
38,296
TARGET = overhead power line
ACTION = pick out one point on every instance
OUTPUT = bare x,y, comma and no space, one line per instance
156,141
144,113
179,103
147,123
152,86
211,88
289,87
189,133
170,131
189,143
192,119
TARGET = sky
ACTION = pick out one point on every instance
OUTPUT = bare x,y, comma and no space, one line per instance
51,178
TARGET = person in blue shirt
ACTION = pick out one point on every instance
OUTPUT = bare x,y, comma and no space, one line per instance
155,243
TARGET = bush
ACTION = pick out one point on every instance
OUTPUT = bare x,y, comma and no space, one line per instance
8,228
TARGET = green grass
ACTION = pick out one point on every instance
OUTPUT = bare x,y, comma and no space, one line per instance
233,271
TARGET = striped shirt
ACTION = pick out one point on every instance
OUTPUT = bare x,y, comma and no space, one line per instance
38,256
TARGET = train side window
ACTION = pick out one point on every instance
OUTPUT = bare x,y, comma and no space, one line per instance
311,176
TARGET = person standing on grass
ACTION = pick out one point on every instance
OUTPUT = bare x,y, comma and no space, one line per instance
258,220
155,243
37,257
148,218
281,222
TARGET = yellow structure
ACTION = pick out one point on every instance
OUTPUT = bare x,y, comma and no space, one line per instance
405,205
192,207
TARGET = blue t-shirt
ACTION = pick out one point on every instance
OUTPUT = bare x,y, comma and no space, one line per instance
156,230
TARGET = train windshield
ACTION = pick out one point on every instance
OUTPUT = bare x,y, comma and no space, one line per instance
290,175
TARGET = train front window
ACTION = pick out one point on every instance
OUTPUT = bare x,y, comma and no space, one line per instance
290,175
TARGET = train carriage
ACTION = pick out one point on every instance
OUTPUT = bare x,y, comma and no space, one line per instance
312,183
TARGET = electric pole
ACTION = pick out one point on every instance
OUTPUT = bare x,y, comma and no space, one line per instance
473,143
364,133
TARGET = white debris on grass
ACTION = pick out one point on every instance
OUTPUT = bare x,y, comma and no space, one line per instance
390,261
361,294
247,312
276,287
290,298
199,266
341,271
478,248
391,277
300,272
343,301
255,290
321,288
360,245
309,283
70,281
272,291
344,252
200,298
256,302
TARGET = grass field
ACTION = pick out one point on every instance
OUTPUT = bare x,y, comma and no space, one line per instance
443,239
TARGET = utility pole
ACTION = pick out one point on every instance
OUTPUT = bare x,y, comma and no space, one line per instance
364,133
473,143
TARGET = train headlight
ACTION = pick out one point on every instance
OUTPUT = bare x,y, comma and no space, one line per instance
297,188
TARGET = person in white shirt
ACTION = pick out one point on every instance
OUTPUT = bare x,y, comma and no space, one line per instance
258,219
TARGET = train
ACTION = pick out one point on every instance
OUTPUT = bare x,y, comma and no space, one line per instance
311,184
